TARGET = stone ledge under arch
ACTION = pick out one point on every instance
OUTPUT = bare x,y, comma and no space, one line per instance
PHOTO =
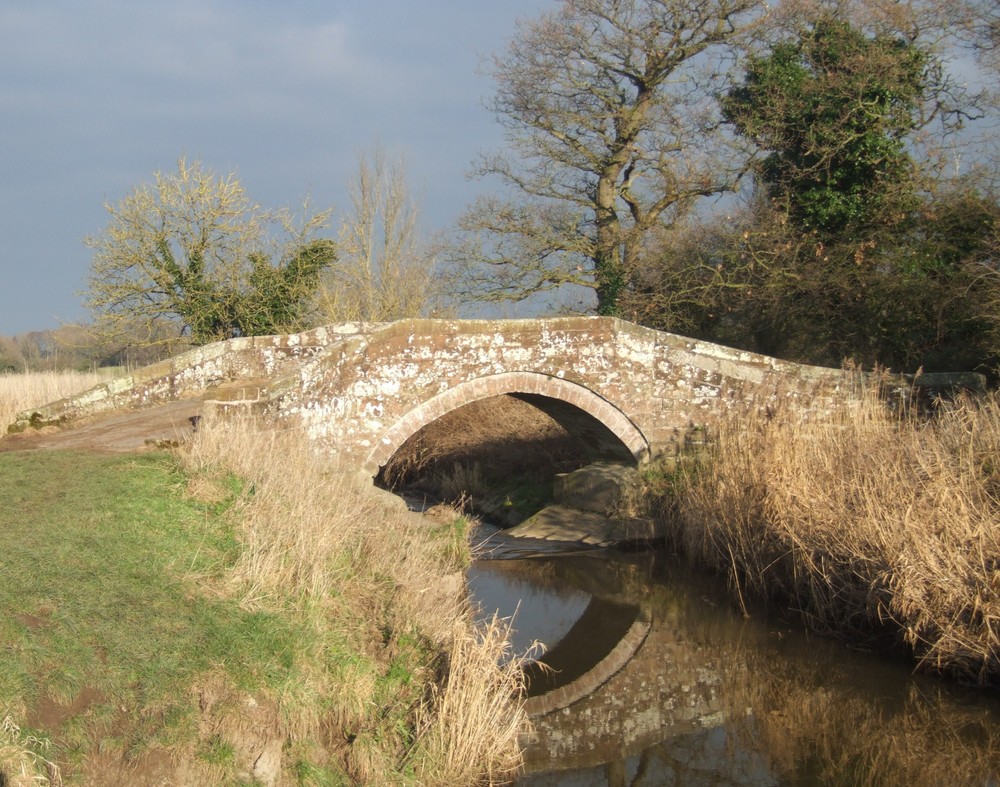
507,383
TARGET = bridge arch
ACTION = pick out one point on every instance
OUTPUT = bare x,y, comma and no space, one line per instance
525,383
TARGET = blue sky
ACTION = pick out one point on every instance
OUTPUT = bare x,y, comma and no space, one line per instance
95,96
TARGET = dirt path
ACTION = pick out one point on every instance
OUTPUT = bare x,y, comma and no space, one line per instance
123,432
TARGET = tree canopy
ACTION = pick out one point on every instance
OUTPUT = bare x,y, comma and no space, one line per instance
192,251
849,247
833,110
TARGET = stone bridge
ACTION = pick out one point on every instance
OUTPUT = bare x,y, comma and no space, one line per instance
362,390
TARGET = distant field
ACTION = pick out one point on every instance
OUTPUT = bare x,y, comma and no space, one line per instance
21,391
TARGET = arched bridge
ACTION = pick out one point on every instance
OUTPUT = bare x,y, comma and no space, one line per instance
611,380
363,390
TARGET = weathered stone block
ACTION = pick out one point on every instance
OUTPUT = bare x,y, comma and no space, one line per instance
597,487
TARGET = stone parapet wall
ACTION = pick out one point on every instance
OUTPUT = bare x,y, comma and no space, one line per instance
190,374
362,390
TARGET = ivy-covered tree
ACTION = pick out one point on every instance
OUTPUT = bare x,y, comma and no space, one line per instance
849,249
192,251
832,110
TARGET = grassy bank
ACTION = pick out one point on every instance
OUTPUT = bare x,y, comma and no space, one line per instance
871,525
239,612
106,630
389,587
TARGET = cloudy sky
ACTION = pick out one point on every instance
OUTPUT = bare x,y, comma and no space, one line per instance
96,95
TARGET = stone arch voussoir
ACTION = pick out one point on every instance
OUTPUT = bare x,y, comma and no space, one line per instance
507,383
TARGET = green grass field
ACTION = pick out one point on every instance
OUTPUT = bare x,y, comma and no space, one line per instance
185,617
111,614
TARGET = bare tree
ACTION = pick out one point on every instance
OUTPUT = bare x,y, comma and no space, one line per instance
612,131
383,272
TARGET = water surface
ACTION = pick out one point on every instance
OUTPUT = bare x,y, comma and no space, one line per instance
713,698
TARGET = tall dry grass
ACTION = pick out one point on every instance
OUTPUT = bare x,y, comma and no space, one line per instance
371,579
18,392
504,435
867,523
468,727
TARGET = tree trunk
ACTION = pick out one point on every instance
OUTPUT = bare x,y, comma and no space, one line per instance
609,271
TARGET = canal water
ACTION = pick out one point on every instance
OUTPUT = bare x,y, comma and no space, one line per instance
657,680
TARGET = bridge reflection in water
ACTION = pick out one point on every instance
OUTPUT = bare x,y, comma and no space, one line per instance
706,697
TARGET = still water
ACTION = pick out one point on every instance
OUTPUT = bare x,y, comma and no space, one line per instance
699,695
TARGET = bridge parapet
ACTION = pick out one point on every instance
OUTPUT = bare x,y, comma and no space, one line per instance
362,390
190,374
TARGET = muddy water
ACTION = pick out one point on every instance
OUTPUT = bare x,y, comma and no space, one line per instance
710,698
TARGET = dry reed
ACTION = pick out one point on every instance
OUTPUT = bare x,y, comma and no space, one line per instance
369,576
867,523
20,763
469,713
504,435
18,392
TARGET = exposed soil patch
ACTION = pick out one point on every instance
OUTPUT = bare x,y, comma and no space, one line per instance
122,432
154,768
31,621
50,714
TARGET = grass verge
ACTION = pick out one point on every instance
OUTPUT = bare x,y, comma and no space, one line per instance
241,611
388,588
109,621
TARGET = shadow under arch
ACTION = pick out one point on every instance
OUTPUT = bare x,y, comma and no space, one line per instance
531,386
